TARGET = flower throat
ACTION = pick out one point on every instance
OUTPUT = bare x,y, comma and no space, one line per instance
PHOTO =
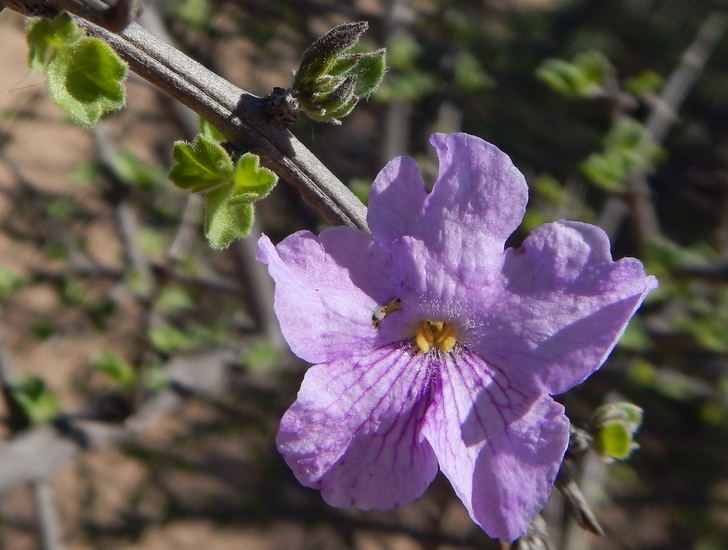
435,334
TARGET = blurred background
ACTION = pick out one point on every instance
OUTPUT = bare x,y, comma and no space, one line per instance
143,374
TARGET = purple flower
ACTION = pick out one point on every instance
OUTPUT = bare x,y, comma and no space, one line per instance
435,347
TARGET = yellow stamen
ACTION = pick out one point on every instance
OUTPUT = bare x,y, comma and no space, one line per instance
438,334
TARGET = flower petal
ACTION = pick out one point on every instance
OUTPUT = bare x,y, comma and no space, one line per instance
354,431
499,444
564,305
327,288
478,200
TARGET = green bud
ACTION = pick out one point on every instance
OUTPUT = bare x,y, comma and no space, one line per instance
322,54
614,426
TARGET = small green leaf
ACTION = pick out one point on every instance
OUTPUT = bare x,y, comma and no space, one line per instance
117,368
585,76
628,147
226,221
252,180
210,132
614,440
469,73
39,404
201,165
10,281
135,171
174,299
329,82
369,71
647,82
259,356
229,212
47,35
615,425
321,56
333,116
85,79
168,340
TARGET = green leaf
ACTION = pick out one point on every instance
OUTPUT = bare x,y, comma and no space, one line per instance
329,82
201,165
628,147
584,77
321,56
174,299
252,181
647,82
45,36
615,425
197,13
229,212
117,368
135,171
469,74
615,441
259,356
225,220
85,79
38,403
210,132
369,71
10,281
168,340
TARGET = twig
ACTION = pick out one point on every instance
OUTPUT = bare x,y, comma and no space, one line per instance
49,523
126,218
663,115
37,453
239,116
113,17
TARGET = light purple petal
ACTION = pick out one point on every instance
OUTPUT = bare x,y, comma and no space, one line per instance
564,306
327,288
478,200
498,443
354,431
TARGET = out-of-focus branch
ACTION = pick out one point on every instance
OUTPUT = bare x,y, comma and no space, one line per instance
662,116
48,523
126,218
37,453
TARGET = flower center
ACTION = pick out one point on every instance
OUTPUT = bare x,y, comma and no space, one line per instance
435,334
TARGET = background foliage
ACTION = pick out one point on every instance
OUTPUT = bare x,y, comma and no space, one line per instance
108,285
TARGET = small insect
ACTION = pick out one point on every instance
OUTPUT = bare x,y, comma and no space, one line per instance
382,311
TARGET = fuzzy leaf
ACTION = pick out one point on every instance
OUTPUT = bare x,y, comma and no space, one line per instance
85,79
210,132
229,212
321,56
225,219
369,72
615,425
201,165
45,36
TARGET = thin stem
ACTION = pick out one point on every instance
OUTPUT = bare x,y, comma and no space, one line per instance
238,115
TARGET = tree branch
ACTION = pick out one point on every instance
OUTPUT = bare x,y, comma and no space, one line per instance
238,115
